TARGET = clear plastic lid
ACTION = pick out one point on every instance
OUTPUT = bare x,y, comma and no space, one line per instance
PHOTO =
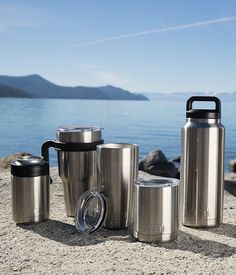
165,182
80,129
83,134
90,212
29,160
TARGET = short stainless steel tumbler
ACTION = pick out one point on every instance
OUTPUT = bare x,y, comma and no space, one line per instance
156,210
76,152
112,204
30,189
202,165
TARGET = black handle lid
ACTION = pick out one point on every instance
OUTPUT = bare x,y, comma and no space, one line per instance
203,113
73,147
69,146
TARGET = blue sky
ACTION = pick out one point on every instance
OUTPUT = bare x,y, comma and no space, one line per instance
144,46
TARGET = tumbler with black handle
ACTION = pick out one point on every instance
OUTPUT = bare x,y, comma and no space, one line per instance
76,154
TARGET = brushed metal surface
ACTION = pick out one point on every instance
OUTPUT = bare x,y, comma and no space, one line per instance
78,173
117,170
149,238
202,173
77,169
156,210
30,199
83,134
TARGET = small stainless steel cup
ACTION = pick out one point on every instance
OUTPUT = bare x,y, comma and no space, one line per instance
30,189
156,210
117,169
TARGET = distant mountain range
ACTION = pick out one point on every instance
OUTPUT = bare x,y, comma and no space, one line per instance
7,91
184,96
35,86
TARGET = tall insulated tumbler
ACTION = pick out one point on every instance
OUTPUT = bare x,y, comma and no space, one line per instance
76,153
117,169
202,165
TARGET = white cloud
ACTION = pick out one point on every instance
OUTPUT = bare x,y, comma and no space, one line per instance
109,77
159,30
5,26
19,16
92,66
103,74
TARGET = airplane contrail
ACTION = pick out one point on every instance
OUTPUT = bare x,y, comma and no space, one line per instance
167,29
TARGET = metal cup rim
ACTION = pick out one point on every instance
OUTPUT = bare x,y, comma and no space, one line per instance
116,146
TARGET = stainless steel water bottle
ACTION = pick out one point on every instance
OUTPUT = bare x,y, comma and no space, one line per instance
30,189
202,165
76,154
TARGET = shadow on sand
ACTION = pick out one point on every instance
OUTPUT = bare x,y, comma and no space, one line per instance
66,234
188,242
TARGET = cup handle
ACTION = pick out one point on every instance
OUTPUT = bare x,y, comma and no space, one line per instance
45,151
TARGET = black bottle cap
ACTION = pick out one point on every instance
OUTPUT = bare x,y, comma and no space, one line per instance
203,113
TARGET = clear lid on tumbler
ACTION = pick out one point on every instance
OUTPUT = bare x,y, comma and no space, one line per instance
28,160
77,133
90,212
158,183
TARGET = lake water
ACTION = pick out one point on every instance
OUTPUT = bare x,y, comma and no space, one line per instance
27,123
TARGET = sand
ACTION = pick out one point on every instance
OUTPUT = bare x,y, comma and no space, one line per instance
56,247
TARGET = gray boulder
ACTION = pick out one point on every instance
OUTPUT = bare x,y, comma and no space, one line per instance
5,163
230,183
177,159
232,165
156,163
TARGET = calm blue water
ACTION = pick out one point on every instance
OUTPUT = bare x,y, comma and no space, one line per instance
27,123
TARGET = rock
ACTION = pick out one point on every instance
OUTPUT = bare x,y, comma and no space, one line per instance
156,156
5,163
147,176
232,165
230,176
177,159
156,163
177,165
178,173
230,183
